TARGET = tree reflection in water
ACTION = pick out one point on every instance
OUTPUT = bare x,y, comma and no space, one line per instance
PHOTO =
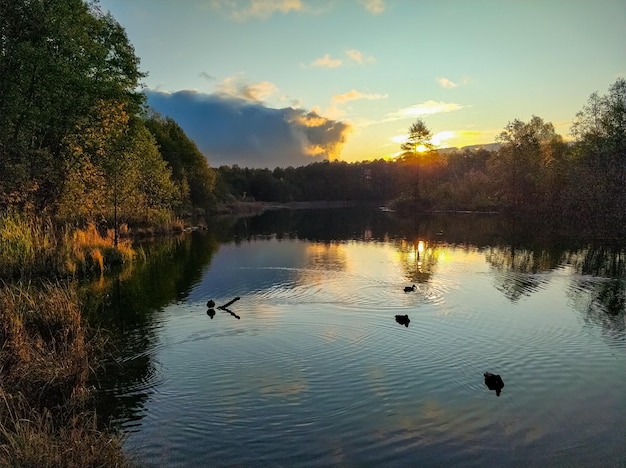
128,305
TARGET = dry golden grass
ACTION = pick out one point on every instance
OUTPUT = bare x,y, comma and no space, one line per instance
177,226
34,246
31,438
44,342
44,367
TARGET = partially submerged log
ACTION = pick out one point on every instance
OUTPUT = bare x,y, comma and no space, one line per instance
223,307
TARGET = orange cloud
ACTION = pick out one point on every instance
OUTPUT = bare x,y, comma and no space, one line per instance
354,94
259,91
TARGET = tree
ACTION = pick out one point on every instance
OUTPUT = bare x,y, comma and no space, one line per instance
116,169
599,155
57,60
519,167
190,169
418,139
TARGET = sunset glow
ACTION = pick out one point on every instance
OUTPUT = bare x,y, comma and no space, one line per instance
363,86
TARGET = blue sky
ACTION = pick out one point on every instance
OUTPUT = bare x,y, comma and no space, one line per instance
266,83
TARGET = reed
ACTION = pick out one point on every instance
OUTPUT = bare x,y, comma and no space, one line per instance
45,348
36,246
26,244
92,251
46,353
29,438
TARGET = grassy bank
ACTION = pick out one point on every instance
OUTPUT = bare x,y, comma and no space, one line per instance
46,353
31,246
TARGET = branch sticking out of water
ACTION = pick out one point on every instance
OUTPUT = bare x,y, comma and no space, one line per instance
223,307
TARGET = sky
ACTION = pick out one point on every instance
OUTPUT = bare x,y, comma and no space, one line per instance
277,83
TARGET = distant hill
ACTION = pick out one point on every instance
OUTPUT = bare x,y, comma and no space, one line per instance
486,146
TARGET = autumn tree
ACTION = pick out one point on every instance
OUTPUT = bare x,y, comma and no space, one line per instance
115,171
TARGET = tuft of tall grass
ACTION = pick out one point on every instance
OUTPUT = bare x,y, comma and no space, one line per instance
45,356
44,350
36,246
30,438
93,251
26,244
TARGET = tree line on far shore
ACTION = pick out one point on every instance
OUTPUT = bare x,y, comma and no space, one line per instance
78,143
534,170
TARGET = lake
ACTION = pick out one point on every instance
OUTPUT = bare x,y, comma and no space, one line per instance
311,368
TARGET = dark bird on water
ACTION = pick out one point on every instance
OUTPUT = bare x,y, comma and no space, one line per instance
210,304
409,288
403,320
494,382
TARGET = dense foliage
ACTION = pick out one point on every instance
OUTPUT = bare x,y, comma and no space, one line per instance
74,139
194,178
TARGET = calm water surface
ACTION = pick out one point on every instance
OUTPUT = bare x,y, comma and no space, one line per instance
310,367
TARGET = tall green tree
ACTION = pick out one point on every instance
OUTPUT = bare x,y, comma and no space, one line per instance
190,169
599,156
57,60
520,166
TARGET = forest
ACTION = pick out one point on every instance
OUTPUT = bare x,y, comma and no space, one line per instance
78,143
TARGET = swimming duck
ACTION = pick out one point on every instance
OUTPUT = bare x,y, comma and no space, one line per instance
403,320
409,288
494,382
210,304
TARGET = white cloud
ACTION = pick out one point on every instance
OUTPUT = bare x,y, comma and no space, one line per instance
327,62
427,108
374,6
353,55
354,95
241,10
257,92
440,138
446,83
358,57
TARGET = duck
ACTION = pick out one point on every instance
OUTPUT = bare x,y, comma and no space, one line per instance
409,288
210,304
494,382
403,320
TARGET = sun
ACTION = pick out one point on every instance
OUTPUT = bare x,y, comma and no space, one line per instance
421,148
